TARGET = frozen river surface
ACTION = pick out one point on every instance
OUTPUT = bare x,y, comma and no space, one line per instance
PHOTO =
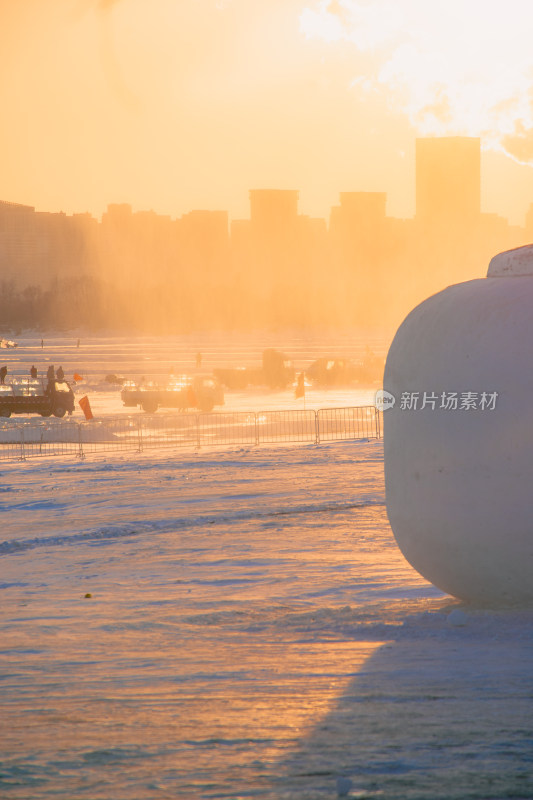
156,359
253,632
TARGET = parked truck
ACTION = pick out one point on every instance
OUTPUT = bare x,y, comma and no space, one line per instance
198,392
34,396
276,372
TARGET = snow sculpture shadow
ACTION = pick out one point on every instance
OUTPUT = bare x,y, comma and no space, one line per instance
444,711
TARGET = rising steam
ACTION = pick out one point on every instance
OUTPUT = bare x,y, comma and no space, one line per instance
460,67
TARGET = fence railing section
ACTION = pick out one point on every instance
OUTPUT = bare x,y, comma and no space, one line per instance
21,440
348,423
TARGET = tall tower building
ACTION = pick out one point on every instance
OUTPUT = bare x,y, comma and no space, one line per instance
360,215
274,230
448,181
273,214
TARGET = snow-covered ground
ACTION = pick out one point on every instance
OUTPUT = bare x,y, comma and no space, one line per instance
252,631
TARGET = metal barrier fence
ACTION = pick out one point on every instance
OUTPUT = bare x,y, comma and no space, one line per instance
348,423
28,439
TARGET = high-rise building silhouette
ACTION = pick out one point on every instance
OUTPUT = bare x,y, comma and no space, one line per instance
448,181
360,217
274,228
18,242
273,212
204,241
275,268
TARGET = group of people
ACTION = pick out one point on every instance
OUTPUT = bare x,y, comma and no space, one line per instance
52,374
55,375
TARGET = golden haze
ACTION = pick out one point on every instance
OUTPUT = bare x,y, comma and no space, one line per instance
184,106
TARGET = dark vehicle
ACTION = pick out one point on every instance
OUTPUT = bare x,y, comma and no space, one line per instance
277,369
198,392
334,371
32,396
234,377
116,380
277,372
370,370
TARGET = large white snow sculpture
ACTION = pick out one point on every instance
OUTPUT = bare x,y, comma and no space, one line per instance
459,438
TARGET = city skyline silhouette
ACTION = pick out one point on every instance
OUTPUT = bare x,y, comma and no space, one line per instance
277,267
229,163
176,106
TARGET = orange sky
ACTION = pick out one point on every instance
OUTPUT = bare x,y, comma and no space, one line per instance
182,104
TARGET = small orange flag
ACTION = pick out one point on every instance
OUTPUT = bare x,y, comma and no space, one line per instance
300,386
77,377
86,407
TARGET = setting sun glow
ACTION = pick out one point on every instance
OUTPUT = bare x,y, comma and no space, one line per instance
453,68
175,106
231,164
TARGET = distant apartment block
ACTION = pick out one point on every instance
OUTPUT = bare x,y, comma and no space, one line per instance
204,240
273,212
19,246
273,216
359,217
36,246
